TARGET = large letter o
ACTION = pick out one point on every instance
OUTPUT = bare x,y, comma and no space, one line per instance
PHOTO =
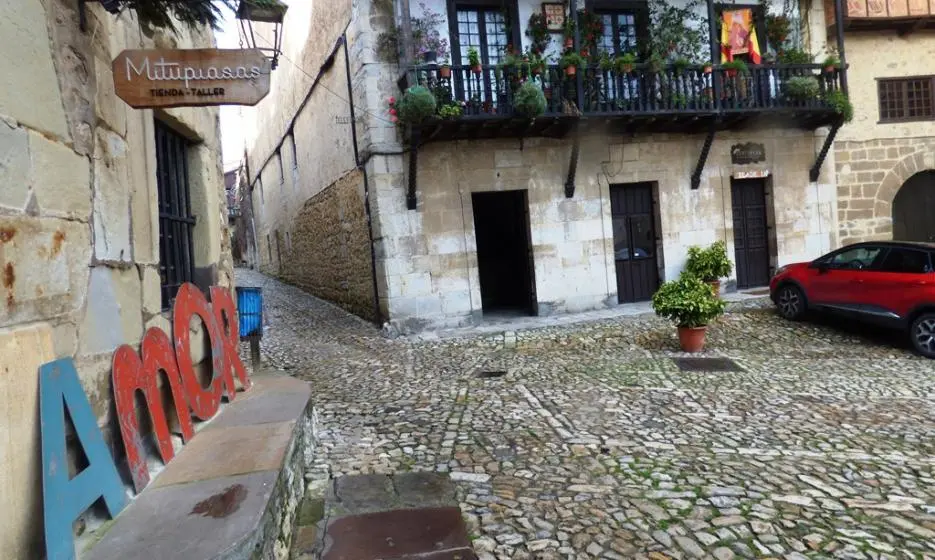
190,301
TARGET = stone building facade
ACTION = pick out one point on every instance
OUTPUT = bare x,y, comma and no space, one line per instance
80,222
889,144
429,261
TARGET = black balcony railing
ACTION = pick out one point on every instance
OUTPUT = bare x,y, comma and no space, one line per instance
692,91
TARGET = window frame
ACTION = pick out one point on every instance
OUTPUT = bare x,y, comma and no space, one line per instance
640,12
176,220
454,38
904,94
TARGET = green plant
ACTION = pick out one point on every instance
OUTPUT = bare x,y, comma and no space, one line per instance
537,30
794,56
678,29
605,61
425,34
416,105
163,14
688,302
656,63
737,66
680,64
571,59
624,63
679,100
777,30
529,101
473,56
831,61
802,88
838,101
709,264
450,111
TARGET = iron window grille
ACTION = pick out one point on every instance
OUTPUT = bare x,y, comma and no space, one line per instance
176,222
906,99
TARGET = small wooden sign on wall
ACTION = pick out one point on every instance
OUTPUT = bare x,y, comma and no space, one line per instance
147,79
554,13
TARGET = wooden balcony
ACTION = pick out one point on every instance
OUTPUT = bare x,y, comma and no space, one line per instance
686,99
903,16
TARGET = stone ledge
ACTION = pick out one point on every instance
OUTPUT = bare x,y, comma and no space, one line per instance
232,492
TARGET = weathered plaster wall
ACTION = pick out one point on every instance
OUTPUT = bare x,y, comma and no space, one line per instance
79,240
874,159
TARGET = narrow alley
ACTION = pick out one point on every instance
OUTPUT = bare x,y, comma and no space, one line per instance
596,444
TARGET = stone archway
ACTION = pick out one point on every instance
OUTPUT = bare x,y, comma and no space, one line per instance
914,208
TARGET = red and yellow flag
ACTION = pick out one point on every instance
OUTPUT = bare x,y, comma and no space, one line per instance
738,35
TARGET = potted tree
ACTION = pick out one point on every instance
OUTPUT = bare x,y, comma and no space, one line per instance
474,60
710,265
570,62
690,304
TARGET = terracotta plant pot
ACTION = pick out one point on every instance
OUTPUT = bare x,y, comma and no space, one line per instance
707,69
715,287
569,43
477,69
829,69
730,72
692,339
571,70
627,68
444,72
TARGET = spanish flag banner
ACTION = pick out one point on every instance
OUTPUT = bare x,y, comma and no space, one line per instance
738,35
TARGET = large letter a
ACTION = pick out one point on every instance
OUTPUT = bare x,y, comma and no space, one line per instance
64,499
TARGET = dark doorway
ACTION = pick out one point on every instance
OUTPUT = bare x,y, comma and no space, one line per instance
504,251
631,207
751,232
914,208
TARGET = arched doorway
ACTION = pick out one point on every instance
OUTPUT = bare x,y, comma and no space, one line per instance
914,209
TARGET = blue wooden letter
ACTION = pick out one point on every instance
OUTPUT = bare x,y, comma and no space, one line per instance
63,499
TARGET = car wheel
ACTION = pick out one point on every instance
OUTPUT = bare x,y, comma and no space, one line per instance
790,302
923,334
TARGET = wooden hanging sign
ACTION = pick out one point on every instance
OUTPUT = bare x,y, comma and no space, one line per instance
147,79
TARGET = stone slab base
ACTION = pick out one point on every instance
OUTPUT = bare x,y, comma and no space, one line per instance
233,490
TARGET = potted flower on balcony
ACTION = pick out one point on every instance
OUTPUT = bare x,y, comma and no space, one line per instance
777,29
710,265
474,60
734,67
837,100
656,63
415,106
625,63
537,64
569,33
444,70
451,111
529,100
802,88
680,64
604,61
570,62
707,68
537,29
691,305
831,63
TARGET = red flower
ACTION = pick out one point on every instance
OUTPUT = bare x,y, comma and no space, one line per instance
393,112
392,100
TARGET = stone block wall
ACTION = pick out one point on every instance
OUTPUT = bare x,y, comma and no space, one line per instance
869,174
330,247
79,238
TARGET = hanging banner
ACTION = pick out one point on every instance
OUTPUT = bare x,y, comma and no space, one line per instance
738,36
146,79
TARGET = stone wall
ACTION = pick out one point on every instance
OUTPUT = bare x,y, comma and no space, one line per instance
427,260
870,173
330,254
874,159
79,239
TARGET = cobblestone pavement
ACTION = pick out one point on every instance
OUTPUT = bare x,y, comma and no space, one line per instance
596,444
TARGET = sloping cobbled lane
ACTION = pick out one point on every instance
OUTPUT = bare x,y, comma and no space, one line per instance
596,445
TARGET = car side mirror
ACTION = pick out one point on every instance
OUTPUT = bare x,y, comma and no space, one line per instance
823,268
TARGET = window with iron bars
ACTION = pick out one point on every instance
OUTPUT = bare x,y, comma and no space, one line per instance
176,222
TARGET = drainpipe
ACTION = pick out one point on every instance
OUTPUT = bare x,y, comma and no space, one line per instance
839,31
363,169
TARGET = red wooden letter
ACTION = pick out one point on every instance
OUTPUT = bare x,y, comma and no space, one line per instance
203,401
130,375
225,313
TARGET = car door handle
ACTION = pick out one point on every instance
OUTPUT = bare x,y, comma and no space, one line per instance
922,283
857,281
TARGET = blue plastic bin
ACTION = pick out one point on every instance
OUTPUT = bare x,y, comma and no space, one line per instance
250,310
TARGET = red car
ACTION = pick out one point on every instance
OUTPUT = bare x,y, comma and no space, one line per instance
890,283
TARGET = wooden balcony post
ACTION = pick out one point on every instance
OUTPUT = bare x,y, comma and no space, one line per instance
715,44
404,37
839,31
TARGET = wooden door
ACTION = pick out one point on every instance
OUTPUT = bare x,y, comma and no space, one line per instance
631,207
914,207
751,232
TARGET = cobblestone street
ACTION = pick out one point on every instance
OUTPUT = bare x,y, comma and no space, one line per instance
596,444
